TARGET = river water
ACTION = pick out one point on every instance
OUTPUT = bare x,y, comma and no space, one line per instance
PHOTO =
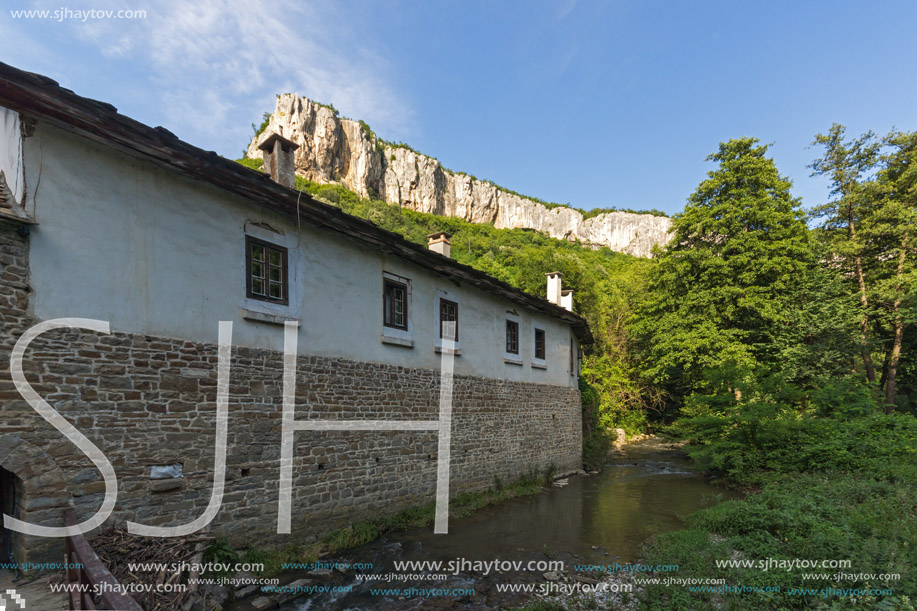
596,519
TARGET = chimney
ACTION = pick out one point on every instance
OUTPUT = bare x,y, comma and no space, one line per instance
439,242
554,287
566,300
278,158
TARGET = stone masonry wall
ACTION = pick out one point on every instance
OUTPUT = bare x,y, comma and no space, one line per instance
148,401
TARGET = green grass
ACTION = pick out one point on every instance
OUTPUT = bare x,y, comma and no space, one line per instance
831,516
597,211
840,487
252,164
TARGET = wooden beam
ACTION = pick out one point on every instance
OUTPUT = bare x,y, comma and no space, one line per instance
95,574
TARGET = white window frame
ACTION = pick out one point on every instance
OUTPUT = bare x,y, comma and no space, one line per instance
258,310
390,335
509,357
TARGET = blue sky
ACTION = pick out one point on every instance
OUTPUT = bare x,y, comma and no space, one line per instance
595,103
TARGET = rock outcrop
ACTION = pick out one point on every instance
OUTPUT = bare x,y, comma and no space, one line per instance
337,150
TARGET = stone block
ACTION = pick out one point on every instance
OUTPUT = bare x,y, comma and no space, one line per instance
178,383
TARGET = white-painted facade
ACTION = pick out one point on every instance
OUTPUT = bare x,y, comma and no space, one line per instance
155,253
11,154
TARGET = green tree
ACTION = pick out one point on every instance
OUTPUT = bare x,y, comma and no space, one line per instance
847,163
612,367
722,286
818,340
889,235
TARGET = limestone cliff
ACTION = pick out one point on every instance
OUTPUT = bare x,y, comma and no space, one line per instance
337,150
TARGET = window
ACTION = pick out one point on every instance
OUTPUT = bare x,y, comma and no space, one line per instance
512,337
448,312
445,312
539,344
572,359
267,272
512,348
396,311
395,305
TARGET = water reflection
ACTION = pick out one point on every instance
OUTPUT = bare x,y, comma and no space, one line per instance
601,518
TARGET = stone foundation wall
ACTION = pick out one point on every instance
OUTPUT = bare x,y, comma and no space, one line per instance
148,401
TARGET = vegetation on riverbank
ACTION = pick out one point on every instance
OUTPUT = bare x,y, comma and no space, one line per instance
782,346
779,341
766,335
829,487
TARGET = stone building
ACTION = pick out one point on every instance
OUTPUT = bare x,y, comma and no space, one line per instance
107,219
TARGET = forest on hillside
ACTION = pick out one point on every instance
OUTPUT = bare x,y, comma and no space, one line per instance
751,285
779,340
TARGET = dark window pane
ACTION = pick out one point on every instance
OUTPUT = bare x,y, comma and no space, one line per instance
512,337
539,344
267,271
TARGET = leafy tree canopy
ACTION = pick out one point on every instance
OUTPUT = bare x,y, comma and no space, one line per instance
721,287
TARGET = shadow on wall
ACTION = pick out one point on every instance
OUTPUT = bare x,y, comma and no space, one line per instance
10,490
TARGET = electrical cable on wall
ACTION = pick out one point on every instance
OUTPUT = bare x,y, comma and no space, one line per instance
41,165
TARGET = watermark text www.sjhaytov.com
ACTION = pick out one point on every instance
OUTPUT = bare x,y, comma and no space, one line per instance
40,566
67,14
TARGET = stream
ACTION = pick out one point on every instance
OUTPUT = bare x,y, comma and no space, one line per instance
596,519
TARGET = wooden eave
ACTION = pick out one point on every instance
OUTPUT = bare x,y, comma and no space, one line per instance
42,98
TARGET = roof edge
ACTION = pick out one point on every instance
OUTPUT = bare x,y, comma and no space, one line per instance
41,97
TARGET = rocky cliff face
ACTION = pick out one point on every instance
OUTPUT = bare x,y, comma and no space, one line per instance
336,150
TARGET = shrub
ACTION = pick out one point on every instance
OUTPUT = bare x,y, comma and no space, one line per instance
219,552
830,515
266,120
252,164
596,441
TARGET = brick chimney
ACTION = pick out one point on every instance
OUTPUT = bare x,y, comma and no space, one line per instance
439,242
554,282
279,160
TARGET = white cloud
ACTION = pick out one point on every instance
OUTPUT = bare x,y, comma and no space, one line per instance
213,67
